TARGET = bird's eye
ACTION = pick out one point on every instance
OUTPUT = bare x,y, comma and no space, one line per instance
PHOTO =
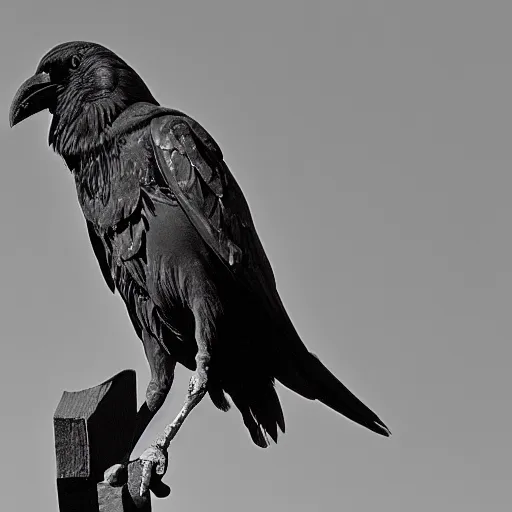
75,61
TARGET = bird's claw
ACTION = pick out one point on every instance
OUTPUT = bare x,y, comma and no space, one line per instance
116,475
152,459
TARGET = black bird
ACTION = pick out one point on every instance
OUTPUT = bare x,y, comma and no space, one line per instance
173,234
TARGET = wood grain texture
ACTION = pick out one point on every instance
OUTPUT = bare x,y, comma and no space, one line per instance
93,431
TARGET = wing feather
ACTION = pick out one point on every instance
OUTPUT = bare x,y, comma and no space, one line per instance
192,166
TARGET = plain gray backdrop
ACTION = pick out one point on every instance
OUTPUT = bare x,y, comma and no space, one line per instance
372,140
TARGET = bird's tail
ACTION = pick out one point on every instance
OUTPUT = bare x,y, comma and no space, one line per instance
261,412
306,375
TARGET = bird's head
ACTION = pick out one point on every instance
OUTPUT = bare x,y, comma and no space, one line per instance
85,86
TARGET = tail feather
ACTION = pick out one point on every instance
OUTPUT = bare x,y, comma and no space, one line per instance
258,435
311,379
266,408
261,412
335,395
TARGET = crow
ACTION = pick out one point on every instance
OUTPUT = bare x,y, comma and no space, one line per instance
173,234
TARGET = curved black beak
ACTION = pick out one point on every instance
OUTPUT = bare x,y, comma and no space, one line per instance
34,95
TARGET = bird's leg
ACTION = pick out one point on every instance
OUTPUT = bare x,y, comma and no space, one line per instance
162,374
154,456
195,393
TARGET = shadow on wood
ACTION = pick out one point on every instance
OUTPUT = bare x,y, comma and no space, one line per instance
93,431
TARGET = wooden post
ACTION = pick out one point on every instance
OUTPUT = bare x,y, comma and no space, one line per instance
93,431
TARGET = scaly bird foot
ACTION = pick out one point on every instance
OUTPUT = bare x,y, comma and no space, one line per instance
154,464
118,475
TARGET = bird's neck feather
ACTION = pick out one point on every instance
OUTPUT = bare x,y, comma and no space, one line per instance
76,130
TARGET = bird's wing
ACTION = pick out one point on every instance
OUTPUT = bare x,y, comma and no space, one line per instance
192,165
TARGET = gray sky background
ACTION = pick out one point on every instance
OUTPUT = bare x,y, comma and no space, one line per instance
372,140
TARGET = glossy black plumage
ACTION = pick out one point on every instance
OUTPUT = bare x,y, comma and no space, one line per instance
173,234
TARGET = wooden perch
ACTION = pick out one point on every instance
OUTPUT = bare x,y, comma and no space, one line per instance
93,431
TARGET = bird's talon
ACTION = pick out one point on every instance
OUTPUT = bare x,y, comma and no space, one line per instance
152,459
116,475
